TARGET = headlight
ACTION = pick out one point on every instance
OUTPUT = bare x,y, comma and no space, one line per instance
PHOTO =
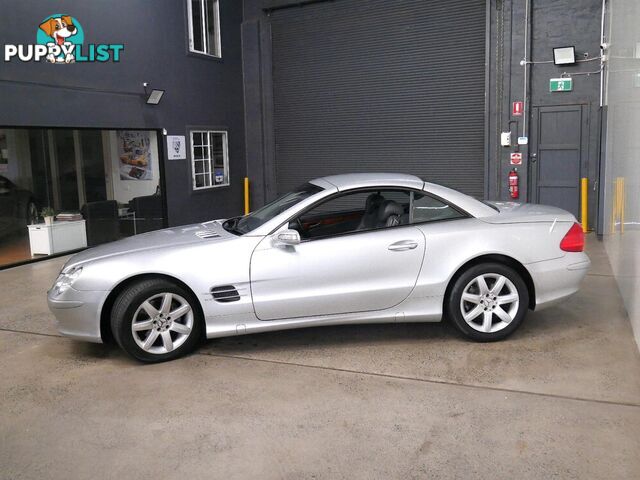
65,280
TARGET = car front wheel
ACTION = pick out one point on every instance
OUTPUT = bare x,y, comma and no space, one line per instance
156,320
488,302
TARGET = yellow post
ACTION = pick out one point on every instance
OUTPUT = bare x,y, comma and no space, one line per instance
618,204
246,195
584,187
622,202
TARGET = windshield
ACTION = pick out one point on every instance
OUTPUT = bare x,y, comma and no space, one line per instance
242,225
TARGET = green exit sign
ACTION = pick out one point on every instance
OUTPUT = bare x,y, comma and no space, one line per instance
561,84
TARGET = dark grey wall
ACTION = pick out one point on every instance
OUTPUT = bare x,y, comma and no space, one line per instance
554,23
236,91
199,91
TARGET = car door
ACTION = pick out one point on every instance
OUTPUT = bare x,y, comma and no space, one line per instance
356,270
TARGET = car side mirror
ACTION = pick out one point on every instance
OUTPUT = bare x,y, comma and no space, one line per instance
286,237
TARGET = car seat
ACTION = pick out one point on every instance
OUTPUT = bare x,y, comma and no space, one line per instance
389,214
370,218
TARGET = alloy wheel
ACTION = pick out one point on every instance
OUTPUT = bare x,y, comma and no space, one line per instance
489,302
162,323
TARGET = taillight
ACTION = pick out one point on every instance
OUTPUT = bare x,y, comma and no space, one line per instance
573,241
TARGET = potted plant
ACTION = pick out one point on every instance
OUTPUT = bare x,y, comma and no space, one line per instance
48,213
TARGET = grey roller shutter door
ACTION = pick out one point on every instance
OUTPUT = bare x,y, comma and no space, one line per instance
379,85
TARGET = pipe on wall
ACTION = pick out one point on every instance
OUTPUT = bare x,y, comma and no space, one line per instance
602,52
527,41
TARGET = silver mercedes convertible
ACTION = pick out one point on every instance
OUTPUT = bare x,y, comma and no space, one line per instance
356,248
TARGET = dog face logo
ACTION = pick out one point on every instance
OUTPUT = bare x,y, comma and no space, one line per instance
59,28
60,40
61,33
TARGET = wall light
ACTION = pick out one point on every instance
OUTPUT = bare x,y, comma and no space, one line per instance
154,96
564,55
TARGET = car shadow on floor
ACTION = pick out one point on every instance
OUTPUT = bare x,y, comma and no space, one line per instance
341,336
334,336
392,334
555,327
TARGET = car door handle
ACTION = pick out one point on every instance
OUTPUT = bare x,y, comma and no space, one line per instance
403,245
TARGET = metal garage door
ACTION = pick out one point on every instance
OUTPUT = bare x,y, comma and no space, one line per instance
380,86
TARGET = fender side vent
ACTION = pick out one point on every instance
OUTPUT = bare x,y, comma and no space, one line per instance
225,294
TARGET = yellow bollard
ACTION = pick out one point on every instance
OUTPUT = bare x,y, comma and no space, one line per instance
246,195
622,202
584,205
617,206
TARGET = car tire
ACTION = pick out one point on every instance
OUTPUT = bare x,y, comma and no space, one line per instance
487,302
156,320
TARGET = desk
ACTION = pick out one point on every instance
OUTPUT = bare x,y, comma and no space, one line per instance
56,238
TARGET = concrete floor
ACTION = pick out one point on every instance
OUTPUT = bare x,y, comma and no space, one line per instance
560,398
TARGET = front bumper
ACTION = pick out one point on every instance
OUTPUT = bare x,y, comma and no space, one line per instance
78,313
556,279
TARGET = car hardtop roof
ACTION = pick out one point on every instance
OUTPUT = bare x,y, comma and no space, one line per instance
350,181
358,180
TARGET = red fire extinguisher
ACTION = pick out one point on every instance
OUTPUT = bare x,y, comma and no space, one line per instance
513,183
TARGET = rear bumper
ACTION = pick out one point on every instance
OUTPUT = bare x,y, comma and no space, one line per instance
555,280
78,313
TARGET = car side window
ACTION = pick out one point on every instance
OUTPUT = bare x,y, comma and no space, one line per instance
358,211
425,208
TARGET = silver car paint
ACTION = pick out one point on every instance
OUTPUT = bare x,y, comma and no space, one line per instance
343,274
292,288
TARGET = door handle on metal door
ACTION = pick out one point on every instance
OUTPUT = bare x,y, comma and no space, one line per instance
403,245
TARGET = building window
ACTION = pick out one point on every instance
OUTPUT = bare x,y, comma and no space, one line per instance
209,159
204,27
100,185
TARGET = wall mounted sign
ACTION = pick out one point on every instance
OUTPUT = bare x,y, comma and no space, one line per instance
523,140
516,158
60,39
517,109
176,147
560,84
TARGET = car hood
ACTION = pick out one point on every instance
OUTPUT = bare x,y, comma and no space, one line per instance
160,239
514,212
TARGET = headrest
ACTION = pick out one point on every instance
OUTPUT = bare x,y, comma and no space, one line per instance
388,208
373,201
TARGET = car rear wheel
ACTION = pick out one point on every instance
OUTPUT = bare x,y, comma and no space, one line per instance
488,302
156,320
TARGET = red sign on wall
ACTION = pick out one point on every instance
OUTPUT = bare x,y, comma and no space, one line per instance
516,158
518,108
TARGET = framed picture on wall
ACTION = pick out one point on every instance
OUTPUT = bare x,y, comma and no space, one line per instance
136,157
